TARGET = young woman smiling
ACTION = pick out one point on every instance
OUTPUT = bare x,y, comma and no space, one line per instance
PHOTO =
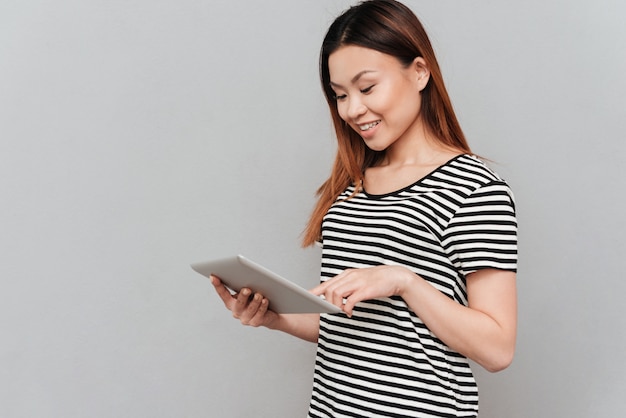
419,236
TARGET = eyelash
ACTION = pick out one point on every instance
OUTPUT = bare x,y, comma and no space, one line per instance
366,90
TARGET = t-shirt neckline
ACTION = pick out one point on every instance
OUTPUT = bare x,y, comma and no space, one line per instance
415,183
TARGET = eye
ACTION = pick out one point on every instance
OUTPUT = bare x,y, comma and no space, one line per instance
340,97
368,89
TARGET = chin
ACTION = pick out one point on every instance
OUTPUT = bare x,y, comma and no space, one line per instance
376,147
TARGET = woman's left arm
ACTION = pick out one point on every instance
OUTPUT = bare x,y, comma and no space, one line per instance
485,330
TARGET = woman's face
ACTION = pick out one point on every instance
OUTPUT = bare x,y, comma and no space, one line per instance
377,95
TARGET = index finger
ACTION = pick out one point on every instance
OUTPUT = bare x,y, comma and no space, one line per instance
319,289
222,291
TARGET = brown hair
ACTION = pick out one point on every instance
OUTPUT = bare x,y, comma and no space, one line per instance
389,27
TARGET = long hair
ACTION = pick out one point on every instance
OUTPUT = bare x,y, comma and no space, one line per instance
389,27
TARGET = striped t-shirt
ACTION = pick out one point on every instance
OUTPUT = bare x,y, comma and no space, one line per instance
383,361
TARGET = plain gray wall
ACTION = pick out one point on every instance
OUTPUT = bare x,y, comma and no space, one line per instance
138,137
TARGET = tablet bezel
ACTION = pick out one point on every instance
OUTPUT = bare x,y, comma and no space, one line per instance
237,272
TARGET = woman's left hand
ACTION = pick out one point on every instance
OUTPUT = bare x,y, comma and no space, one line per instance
355,285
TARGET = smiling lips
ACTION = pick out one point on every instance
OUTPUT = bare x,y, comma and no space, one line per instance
368,126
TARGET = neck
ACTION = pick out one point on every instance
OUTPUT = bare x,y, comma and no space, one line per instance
419,148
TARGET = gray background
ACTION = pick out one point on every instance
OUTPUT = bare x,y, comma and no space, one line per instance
139,136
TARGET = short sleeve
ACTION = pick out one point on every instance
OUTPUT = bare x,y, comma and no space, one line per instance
483,232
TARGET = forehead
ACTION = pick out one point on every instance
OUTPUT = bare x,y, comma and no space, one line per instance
351,60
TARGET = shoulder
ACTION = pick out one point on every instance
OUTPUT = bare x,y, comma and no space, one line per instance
473,169
464,175
476,183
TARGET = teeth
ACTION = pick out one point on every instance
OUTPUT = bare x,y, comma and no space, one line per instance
368,126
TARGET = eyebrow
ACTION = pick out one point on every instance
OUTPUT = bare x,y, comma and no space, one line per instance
355,78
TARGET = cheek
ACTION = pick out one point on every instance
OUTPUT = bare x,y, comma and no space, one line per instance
342,109
406,105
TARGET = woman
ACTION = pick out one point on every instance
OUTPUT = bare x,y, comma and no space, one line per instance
419,236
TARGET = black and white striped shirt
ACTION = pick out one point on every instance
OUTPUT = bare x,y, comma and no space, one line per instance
383,361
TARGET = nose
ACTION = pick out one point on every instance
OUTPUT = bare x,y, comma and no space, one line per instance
355,108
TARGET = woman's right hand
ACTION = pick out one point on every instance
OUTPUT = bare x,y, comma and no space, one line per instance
250,309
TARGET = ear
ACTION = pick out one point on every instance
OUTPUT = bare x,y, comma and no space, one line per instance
422,73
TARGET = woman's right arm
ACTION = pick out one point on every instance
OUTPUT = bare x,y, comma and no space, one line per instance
252,310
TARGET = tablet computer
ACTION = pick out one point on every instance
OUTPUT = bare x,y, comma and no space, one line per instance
237,272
